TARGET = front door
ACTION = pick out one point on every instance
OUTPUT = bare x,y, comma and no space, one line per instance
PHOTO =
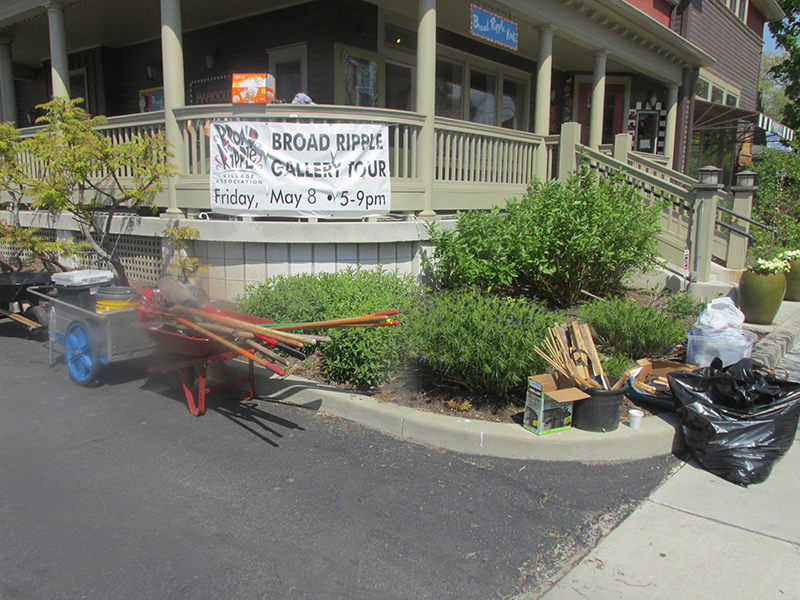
613,111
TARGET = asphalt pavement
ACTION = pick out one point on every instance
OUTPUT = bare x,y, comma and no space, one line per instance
117,492
700,536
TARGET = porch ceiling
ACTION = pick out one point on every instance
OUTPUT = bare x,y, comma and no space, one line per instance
635,42
92,23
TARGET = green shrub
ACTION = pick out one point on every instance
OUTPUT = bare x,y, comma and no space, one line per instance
683,306
636,331
363,356
616,364
480,341
587,234
776,203
482,250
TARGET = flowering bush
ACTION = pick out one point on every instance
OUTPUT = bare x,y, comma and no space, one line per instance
790,255
767,267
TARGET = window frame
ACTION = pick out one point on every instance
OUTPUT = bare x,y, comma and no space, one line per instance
500,71
289,53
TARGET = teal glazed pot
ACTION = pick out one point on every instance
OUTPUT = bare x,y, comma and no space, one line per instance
793,282
760,296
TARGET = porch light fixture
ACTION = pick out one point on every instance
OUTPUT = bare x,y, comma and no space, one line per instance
653,100
210,61
151,71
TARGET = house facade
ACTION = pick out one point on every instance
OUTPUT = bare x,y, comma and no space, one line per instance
475,93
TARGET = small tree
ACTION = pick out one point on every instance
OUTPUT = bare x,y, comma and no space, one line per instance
25,241
179,238
81,172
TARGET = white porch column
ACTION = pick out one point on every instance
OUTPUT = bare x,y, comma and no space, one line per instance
544,76
59,63
426,100
7,90
172,59
672,121
598,100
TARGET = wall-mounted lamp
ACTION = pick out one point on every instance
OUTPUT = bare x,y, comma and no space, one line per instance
653,100
151,71
210,61
552,95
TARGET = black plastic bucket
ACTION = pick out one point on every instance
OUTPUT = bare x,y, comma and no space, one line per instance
601,411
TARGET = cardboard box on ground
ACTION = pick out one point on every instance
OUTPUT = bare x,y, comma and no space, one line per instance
548,403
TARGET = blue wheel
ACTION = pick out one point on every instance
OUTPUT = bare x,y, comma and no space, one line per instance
81,353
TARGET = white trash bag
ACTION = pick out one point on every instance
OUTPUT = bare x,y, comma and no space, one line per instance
718,332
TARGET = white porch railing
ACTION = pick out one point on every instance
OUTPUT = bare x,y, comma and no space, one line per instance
476,167
403,129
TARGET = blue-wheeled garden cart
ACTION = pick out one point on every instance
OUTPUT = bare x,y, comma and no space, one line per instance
91,339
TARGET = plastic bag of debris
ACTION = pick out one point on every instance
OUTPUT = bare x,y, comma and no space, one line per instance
718,333
738,421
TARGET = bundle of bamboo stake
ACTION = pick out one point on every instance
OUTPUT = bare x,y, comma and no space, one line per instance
570,350
254,338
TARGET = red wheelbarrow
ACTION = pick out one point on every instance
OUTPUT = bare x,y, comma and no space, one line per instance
201,352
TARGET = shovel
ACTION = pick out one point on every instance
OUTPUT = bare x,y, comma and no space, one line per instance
175,293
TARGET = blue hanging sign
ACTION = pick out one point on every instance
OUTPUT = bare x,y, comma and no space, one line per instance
492,27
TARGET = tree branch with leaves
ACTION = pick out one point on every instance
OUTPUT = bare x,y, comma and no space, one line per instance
80,171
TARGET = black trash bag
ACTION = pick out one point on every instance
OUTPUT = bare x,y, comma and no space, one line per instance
738,421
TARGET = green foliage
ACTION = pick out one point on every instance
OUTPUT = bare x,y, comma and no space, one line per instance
481,341
587,234
636,331
776,203
682,306
81,171
482,250
26,243
363,356
787,72
773,96
179,238
616,364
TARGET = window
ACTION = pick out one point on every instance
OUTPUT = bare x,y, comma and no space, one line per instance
449,81
738,8
399,87
78,87
647,131
494,97
717,95
731,100
289,66
702,89
482,90
400,47
512,115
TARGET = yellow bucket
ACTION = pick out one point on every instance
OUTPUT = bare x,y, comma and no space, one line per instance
115,297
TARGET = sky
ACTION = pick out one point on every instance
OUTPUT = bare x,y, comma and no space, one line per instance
769,41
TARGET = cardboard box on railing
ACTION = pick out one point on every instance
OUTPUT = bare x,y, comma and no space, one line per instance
548,404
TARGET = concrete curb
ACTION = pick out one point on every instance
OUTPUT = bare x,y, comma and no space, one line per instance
772,348
657,435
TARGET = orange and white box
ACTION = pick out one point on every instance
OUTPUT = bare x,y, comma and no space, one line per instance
252,88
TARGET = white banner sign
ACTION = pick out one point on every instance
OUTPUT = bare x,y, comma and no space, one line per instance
299,169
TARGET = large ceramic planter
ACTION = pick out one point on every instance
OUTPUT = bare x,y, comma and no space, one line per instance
760,296
793,282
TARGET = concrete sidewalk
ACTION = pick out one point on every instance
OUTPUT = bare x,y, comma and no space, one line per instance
699,536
